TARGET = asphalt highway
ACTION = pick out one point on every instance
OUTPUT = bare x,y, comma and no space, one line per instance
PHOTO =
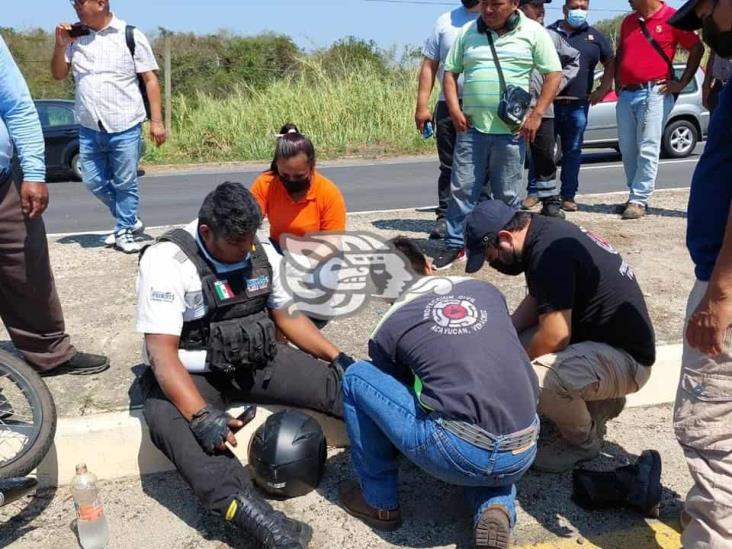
174,197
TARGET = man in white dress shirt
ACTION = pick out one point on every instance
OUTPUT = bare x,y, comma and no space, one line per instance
116,90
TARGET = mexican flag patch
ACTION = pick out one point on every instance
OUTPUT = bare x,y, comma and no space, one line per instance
223,290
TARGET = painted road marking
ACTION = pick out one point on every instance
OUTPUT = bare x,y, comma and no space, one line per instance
420,209
654,535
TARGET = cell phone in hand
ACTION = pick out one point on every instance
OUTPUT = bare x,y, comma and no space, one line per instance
427,130
77,30
245,417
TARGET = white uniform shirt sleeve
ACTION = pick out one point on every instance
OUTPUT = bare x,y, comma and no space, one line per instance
144,57
279,296
160,294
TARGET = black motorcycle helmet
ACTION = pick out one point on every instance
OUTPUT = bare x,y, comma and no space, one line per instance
287,454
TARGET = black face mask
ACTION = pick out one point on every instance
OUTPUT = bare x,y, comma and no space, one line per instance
514,268
295,186
719,41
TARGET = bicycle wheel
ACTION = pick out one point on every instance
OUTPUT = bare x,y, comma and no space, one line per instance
27,417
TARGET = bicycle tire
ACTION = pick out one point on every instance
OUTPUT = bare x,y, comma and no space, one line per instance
32,456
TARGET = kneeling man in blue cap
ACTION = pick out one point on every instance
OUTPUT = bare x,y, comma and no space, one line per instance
584,322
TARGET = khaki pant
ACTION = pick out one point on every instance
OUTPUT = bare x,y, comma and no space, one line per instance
29,304
576,382
703,425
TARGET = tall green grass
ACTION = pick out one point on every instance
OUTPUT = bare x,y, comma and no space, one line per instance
363,112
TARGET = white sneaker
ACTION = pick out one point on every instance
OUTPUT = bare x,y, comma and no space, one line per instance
111,239
125,242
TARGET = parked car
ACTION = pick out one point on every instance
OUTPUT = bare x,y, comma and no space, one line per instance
61,134
686,126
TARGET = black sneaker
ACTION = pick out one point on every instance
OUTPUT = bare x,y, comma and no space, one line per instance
439,230
81,364
552,208
448,257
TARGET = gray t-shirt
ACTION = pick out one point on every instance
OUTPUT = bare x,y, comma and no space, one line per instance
443,35
453,340
570,59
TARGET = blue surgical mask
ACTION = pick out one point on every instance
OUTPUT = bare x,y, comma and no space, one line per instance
576,18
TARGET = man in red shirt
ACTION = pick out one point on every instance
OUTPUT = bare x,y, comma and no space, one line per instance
646,84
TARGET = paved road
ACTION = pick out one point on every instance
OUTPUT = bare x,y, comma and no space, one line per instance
175,197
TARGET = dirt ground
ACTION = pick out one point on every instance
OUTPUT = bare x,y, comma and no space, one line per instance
97,289
159,511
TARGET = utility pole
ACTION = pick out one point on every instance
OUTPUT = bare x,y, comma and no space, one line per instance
168,80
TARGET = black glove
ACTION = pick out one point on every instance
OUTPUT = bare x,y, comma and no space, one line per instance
210,427
341,363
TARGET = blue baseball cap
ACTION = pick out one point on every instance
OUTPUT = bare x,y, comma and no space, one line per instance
481,226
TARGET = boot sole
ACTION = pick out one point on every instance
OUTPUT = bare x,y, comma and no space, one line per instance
75,371
492,532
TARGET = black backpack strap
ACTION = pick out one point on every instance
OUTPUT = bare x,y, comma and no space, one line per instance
187,243
656,46
130,39
502,80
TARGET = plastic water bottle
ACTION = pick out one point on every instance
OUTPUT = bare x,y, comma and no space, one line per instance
91,523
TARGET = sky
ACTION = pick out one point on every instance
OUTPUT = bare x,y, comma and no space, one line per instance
311,23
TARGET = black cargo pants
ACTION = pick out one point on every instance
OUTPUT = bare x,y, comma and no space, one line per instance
293,378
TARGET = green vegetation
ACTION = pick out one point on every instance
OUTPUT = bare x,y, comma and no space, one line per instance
361,113
231,94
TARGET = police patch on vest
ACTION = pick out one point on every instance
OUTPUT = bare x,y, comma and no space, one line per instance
258,284
223,290
161,296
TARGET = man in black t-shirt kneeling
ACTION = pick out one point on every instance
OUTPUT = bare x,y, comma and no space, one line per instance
584,322
449,386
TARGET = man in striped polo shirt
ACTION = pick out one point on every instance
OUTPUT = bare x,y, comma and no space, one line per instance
487,148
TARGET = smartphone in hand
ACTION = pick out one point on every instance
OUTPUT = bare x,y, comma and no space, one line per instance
245,417
77,30
427,131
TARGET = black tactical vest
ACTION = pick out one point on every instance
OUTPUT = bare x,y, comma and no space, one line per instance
237,331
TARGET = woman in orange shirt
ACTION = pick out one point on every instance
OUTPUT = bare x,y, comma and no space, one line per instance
295,197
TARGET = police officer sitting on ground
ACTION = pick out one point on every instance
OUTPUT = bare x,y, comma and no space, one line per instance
209,302
584,322
450,387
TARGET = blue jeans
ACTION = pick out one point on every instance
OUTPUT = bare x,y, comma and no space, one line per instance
641,117
383,419
477,155
570,122
109,167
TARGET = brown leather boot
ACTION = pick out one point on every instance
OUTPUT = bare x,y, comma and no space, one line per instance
350,496
569,205
530,202
634,211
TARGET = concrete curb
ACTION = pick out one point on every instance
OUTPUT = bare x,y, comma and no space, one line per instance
117,445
